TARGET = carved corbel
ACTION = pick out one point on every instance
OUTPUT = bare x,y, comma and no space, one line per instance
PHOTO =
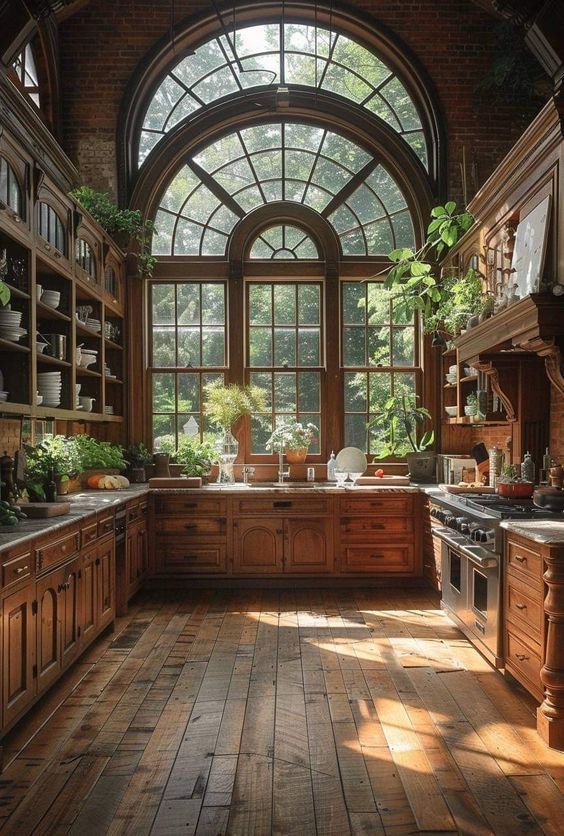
493,376
552,356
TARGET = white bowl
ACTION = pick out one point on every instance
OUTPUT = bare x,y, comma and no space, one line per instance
41,347
86,360
451,411
4,396
38,399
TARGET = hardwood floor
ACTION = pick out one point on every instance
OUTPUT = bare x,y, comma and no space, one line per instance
290,712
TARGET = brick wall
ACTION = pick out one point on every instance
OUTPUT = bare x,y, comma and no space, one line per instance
557,425
102,44
10,434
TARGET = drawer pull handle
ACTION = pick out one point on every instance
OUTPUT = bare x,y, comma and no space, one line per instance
21,570
282,504
521,606
520,558
190,526
521,657
190,505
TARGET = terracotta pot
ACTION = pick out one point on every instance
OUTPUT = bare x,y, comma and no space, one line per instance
296,456
515,489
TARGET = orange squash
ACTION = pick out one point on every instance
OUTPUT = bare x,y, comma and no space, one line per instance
94,480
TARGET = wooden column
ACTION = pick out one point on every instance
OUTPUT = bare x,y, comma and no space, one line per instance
550,714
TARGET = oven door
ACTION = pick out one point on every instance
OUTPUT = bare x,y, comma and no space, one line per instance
454,591
484,602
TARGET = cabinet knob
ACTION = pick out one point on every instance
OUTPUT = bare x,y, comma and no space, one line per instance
21,570
521,657
190,526
520,558
97,561
521,606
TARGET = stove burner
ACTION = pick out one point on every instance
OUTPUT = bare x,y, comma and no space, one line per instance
505,508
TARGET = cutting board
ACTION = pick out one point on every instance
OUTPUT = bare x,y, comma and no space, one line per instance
43,510
175,482
466,489
370,481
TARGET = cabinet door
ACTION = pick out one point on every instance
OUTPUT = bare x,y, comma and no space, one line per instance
105,583
258,546
49,628
131,559
308,545
142,552
18,653
70,612
88,594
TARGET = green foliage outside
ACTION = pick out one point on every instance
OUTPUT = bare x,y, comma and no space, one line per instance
400,417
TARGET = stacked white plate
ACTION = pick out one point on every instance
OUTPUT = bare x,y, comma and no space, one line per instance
10,325
77,387
3,395
94,324
49,385
109,410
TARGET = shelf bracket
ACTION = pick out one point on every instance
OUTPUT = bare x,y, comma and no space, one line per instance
550,352
488,368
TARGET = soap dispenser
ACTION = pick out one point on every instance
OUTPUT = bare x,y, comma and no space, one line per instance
528,468
332,468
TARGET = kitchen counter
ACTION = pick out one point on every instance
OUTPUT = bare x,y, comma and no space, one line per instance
84,504
296,487
550,532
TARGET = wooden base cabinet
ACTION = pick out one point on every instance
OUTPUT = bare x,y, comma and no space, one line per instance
18,652
258,546
308,545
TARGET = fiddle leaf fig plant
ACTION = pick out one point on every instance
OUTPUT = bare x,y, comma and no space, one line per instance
396,424
412,273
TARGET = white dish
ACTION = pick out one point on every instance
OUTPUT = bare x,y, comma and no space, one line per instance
4,396
351,460
451,411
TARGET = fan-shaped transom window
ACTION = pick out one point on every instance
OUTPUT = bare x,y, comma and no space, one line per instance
283,242
10,192
292,54
287,161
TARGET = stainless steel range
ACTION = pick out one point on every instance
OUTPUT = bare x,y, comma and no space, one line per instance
468,526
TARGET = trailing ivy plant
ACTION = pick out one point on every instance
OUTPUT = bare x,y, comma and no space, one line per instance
461,298
122,224
419,291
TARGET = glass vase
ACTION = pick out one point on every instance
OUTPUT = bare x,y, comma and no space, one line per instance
228,447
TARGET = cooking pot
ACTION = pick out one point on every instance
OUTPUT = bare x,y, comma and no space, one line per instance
551,499
517,490
57,345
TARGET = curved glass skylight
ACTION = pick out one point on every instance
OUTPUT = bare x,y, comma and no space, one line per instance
25,69
286,161
293,54
284,242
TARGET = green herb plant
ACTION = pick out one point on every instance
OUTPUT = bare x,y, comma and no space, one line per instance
93,453
56,456
460,298
123,225
196,457
137,455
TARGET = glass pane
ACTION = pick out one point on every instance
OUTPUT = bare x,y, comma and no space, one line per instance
354,352
380,389
379,347
379,239
264,381
189,347
163,304
352,243
261,429
163,433
284,392
309,392
308,347
356,392
309,304
260,347
285,304
354,303
164,347
188,392
260,304
188,296
378,304
355,431
285,347
312,418
213,304
403,347
213,347
404,384
187,238
164,393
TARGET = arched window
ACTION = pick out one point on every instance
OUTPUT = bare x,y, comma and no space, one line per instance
288,55
284,242
51,228
84,257
285,161
10,191
26,73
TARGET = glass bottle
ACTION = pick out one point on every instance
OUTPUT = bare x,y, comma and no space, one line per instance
528,468
332,468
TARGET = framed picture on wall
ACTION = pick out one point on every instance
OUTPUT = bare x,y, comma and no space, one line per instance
530,249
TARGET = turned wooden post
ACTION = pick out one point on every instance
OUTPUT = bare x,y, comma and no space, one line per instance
550,714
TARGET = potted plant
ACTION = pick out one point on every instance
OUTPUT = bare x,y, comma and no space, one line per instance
294,439
98,457
55,458
396,425
196,458
471,407
461,302
224,405
124,225
137,457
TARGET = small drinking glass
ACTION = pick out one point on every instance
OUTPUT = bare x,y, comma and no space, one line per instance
354,476
341,477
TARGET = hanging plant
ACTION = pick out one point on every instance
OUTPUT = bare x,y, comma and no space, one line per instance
124,225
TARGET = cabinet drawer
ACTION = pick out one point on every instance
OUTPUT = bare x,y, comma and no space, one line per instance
525,560
17,569
284,505
53,553
191,526
389,504
88,534
189,504
377,560
133,513
193,559
523,662
106,525
524,606
365,528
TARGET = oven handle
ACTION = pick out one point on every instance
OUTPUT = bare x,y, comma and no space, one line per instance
445,535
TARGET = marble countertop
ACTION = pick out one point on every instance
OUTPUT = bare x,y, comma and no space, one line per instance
550,532
84,504
295,487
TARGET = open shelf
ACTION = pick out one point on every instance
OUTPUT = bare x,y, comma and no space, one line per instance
468,421
88,332
16,293
111,344
47,312
8,345
82,372
115,380
470,378
47,360
7,407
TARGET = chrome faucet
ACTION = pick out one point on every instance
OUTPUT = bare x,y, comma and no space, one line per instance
248,472
282,474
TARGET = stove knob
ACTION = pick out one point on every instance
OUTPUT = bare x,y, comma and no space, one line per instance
435,512
450,520
476,534
464,528
459,522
